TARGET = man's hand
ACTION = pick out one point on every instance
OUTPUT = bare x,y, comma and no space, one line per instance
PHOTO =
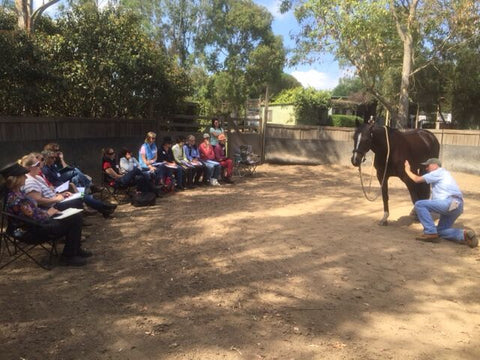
411,175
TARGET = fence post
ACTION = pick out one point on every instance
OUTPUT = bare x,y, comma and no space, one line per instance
263,128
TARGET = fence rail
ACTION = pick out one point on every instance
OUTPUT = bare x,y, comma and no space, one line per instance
33,128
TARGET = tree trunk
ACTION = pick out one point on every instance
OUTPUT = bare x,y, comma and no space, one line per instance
23,9
403,106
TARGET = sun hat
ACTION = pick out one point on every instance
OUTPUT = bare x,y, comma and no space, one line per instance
432,161
13,169
206,136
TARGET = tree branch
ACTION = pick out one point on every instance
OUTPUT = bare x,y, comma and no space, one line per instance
37,13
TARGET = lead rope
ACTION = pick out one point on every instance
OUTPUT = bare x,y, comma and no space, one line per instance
371,171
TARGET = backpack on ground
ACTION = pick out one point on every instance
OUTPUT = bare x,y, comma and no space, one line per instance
144,199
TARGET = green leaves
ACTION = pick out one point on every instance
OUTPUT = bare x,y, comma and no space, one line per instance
91,63
310,105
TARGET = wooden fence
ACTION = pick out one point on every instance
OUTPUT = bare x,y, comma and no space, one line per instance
460,149
83,139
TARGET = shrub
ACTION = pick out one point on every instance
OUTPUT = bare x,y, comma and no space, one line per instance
310,105
345,120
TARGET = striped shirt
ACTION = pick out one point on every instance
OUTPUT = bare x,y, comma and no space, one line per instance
37,184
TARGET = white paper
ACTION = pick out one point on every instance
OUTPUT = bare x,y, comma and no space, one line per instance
72,197
67,212
81,190
63,187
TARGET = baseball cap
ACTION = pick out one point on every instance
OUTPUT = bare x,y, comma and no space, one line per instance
432,161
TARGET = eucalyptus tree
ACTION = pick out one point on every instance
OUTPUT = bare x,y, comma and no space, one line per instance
27,14
107,66
237,40
383,38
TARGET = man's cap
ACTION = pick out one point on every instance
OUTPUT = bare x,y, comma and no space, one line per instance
13,169
206,136
222,137
432,161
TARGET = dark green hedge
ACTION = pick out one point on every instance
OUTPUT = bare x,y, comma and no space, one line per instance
344,120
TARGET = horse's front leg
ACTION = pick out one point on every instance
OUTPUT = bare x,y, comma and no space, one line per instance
386,213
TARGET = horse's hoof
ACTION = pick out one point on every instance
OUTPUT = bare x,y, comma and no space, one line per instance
383,222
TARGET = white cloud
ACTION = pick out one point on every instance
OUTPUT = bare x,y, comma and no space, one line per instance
274,8
318,80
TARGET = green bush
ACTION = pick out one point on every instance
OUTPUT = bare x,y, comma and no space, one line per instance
311,105
345,120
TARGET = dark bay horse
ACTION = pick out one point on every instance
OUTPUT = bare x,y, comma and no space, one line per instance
416,146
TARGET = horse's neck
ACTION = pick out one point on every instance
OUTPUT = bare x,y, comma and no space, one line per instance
383,138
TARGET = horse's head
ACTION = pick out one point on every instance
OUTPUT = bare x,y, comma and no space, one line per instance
362,142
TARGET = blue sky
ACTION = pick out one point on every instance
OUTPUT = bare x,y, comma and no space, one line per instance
322,75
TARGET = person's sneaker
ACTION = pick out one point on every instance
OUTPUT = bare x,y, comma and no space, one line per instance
470,238
73,261
84,253
429,238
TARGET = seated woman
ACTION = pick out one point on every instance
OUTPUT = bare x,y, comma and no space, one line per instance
57,171
188,170
193,156
36,188
147,157
123,178
127,161
19,204
207,156
166,157
225,162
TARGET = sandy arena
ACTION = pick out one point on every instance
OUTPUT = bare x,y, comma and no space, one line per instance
289,264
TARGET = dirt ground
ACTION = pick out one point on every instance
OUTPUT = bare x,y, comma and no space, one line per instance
289,264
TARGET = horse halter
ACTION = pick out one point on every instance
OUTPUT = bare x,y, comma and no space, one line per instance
356,150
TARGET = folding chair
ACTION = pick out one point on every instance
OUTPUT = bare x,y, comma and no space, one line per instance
245,162
19,237
120,194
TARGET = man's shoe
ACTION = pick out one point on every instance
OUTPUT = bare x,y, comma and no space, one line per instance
429,238
73,261
84,253
470,238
